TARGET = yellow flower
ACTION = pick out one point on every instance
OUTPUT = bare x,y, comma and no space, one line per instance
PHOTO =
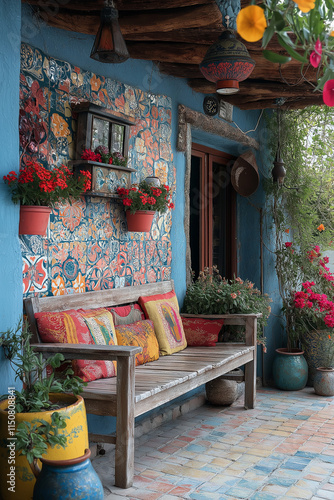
321,227
305,5
331,33
251,23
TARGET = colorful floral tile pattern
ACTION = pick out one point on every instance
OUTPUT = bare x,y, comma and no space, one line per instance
88,246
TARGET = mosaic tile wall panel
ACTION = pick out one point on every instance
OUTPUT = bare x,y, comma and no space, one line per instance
87,246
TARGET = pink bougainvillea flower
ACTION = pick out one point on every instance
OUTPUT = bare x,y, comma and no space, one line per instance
315,56
305,5
328,93
288,244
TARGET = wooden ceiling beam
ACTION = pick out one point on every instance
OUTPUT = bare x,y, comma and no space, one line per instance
156,21
138,5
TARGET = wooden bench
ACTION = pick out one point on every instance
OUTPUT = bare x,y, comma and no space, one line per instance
138,390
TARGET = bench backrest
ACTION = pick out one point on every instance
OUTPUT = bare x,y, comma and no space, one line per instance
91,300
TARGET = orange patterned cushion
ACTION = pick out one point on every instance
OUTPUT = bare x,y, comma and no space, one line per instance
201,331
70,327
140,333
124,315
163,310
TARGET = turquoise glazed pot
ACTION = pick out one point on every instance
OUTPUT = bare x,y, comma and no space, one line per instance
290,369
68,480
323,382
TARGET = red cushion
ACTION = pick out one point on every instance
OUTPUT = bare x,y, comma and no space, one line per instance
70,327
201,331
125,315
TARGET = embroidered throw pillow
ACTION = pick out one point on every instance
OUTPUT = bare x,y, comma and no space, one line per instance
163,310
201,331
125,315
140,333
102,330
69,327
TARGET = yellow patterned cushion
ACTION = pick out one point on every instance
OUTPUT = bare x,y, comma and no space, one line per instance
163,310
140,333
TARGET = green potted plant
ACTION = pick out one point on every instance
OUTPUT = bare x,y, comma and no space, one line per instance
211,294
50,401
141,201
38,189
297,209
313,307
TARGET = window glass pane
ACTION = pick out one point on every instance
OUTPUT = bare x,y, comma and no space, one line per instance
100,133
117,142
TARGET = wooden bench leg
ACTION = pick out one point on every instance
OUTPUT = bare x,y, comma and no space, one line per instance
250,385
124,454
250,368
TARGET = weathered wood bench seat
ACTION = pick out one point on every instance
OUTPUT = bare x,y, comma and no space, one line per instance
137,390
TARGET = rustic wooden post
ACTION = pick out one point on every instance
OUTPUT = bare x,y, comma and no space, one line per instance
250,368
124,453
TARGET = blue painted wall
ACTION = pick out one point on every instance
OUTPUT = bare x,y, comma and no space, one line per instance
10,255
75,48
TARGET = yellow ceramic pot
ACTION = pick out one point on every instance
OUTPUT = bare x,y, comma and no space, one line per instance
17,480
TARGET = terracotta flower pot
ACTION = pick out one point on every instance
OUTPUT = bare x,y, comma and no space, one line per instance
140,221
34,219
323,382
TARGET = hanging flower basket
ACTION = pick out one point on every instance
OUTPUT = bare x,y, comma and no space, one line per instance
34,219
140,221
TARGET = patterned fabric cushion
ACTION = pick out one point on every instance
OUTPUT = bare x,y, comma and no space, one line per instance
201,331
124,315
163,310
140,333
70,327
102,330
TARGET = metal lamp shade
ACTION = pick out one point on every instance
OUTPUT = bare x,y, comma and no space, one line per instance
109,45
227,63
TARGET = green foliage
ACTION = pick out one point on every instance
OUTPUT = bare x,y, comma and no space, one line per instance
212,294
30,368
297,33
33,438
306,139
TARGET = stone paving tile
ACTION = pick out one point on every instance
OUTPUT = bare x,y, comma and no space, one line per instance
281,450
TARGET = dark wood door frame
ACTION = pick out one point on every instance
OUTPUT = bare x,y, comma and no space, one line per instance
209,156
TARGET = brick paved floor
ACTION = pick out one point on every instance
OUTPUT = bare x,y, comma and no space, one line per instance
283,449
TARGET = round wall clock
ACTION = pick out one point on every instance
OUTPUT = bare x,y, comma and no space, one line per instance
211,105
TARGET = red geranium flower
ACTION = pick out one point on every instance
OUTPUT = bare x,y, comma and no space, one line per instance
328,93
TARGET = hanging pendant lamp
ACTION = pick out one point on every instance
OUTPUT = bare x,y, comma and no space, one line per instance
227,63
109,45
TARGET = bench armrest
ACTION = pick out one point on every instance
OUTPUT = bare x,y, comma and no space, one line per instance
87,351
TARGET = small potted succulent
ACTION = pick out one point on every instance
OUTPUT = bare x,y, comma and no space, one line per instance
141,201
38,189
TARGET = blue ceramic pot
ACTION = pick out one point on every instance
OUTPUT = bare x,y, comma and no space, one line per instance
290,369
68,480
323,382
